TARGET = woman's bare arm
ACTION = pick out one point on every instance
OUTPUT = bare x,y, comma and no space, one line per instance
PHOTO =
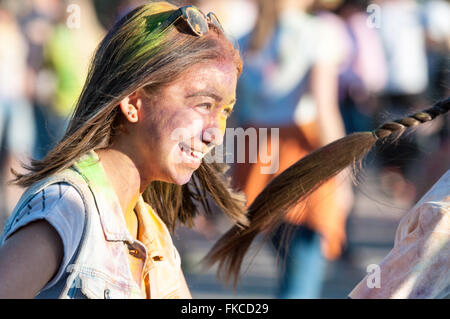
324,88
29,259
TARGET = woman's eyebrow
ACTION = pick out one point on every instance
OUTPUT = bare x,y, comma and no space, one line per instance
205,93
209,94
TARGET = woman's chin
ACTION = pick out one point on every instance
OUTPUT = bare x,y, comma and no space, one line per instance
183,175
182,166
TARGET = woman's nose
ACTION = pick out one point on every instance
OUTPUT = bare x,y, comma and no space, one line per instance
212,136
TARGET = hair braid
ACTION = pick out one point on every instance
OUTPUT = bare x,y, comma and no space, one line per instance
399,126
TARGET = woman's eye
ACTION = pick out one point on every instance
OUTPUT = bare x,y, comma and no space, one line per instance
205,106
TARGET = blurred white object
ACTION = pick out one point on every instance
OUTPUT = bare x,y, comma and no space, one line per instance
437,16
237,16
418,266
403,35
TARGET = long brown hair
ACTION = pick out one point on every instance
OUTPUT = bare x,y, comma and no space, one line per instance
298,181
132,56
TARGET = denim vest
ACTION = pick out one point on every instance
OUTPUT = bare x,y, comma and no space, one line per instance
100,267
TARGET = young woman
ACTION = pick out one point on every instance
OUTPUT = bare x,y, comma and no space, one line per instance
94,220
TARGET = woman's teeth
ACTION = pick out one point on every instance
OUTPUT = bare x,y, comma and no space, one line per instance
191,152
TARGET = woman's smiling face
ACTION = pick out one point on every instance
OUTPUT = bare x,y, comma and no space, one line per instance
181,122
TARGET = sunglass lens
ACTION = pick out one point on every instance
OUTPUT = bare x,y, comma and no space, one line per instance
214,20
196,21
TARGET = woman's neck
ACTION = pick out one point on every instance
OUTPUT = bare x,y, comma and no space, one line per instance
123,176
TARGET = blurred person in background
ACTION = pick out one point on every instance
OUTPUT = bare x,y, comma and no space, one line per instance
17,128
290,82
435,16
37,19
42,72
402,33
73,33
363,72
434,139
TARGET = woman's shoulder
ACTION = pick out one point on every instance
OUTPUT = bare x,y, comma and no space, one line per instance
60,204
53,195
62,207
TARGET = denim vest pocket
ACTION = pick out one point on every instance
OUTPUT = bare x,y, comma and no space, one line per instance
102,287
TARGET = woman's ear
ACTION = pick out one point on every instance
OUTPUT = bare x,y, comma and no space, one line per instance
130,107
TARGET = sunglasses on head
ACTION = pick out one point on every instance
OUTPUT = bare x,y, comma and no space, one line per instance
196,20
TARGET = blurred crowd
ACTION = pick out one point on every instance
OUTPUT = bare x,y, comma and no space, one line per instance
316,69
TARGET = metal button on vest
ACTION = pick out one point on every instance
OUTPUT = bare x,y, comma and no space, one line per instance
107,293
136,250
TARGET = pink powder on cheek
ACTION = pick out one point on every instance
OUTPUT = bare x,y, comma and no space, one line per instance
189,132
